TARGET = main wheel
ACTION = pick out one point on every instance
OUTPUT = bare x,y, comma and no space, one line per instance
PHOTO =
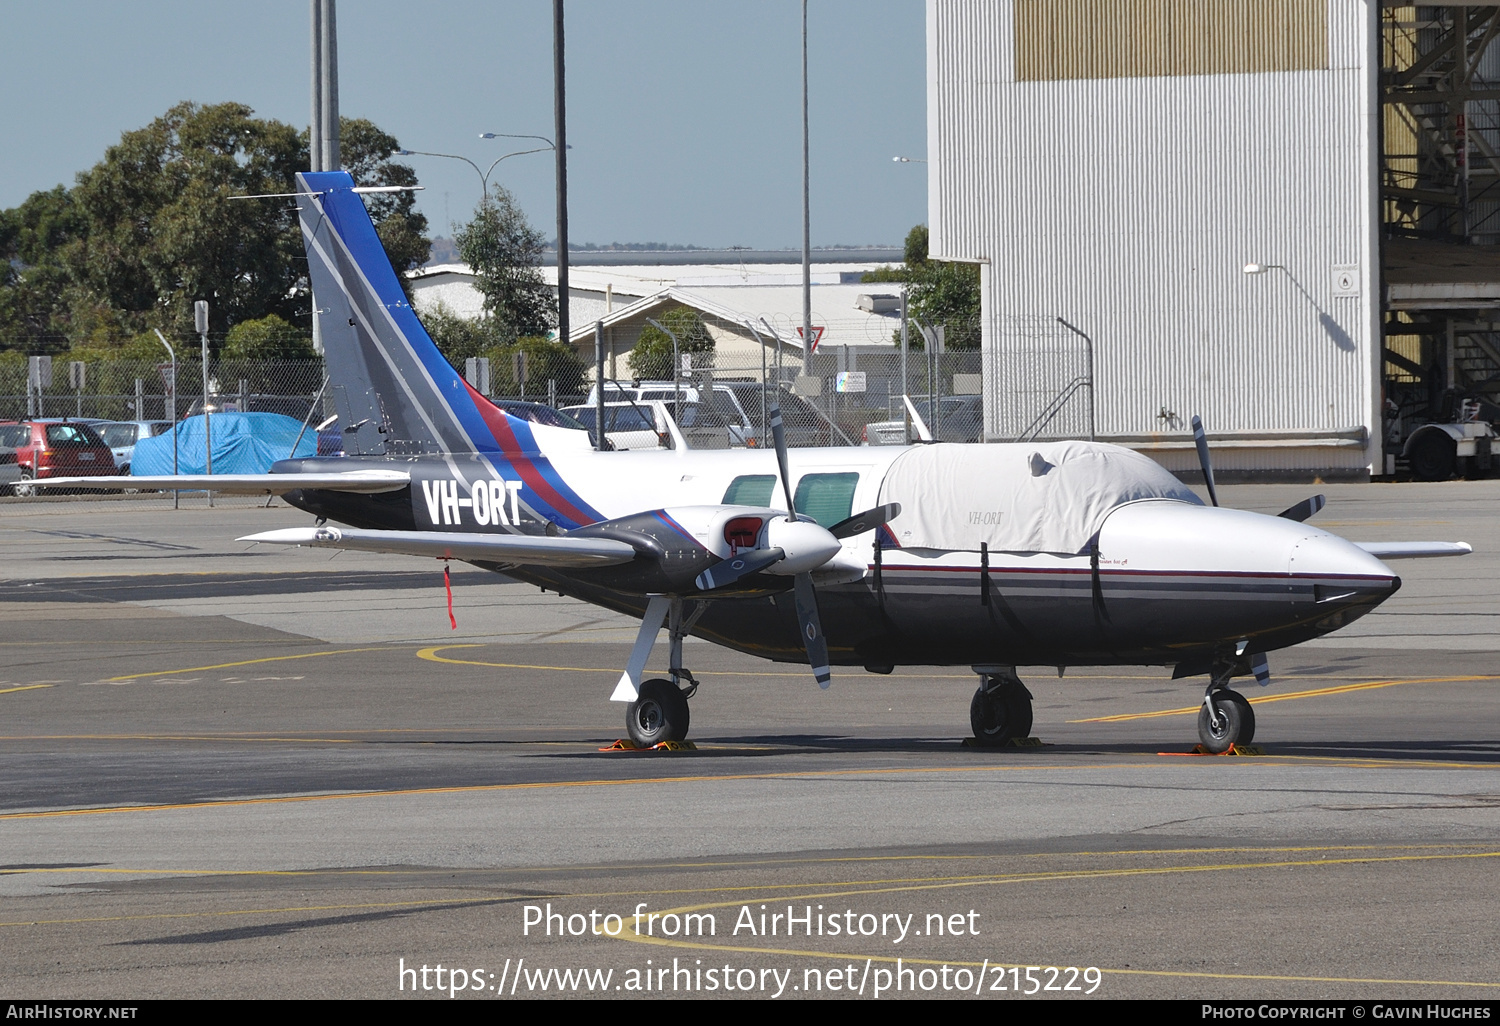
999,714
25,486
1433,456
659,714
1233,722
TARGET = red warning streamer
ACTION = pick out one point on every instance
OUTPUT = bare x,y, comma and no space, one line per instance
448,587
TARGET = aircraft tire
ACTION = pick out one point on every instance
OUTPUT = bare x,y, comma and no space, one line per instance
1236,724
659,714
1000,714
25,486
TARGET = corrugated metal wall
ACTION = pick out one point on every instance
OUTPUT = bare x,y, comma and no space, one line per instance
1130,205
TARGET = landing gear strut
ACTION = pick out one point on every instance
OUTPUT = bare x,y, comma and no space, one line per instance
1001,708
1226,718
660,710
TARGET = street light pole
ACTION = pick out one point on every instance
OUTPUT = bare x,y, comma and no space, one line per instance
807,334
171,411
484,176
200,321
560,109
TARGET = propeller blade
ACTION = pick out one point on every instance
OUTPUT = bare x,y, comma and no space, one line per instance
1304,509
812,630
778,435
732,569
1201,442
1261,668
869,520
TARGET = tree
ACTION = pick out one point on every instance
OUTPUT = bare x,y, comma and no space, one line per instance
268,338
651,359
152,227
938,292
504,251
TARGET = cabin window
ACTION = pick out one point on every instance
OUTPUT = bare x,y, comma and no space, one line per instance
750,490
826,498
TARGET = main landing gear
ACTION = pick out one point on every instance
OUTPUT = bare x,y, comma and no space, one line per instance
659,711
1001,709
1226,718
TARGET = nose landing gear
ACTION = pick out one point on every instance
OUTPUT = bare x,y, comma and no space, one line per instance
660,710
1226,718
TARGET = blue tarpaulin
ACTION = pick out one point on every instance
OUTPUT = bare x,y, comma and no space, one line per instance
243,443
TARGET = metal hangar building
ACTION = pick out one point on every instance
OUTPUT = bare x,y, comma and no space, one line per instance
1278,214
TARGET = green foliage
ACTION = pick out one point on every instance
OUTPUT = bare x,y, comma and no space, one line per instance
504,250
267,338
651,359
546,358
459,338
151,228
939,292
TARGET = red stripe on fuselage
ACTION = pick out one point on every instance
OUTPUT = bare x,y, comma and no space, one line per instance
499,426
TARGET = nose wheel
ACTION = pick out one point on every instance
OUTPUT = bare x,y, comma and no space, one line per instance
1225,719
659,714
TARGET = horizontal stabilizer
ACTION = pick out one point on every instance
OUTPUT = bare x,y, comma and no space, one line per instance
362,482
533,550
1415,550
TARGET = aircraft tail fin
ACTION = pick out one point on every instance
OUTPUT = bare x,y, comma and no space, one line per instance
394,391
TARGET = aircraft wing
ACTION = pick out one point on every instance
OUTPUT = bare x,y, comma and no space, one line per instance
490,548
1415,550
363,482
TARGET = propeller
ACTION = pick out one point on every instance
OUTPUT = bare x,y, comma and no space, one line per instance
731,570
807,599
796,547
1304,509
1201,442
869,520
1300,512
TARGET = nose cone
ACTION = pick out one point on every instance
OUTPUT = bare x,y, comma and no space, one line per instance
807,545
1320,554
1243,572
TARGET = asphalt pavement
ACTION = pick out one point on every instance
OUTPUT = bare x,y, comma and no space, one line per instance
238,771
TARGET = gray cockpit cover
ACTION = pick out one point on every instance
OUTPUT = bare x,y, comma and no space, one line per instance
956,496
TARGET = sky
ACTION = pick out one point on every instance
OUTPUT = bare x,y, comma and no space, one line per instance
684,116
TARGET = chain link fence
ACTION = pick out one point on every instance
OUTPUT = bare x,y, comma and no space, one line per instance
143,389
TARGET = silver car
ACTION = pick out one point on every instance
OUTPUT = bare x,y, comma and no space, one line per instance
122,435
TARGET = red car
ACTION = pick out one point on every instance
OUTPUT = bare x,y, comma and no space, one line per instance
56,449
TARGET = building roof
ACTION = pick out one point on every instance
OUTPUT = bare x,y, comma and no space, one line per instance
733,293
833,309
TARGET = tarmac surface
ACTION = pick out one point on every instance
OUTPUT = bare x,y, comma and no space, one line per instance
242,772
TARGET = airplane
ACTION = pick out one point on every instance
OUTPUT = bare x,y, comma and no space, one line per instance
1065,553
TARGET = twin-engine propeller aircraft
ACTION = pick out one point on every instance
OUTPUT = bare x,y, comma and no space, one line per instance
989,556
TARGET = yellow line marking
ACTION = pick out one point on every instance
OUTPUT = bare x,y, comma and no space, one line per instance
634,936
28,687
735,864
535,786
430,653
1357,763
858,888
246,662
181,737
1266,699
